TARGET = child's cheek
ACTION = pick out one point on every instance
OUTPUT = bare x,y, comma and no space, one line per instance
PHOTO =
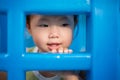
67,42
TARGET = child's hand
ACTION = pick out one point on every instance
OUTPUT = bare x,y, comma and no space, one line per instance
62,50
70,76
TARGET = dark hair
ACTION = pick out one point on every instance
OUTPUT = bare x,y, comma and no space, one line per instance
75,19
28,19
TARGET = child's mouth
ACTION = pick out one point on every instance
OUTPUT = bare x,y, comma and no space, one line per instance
53,46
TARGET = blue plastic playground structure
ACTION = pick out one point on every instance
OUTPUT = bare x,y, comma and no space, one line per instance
98,33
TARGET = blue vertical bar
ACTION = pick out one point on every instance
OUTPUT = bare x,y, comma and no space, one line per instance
3,32
118,61
16,23
15,43
0,35
16,74
82,32
104,43
80,35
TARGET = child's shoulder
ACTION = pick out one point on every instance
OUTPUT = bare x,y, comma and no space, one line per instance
31,49
30,76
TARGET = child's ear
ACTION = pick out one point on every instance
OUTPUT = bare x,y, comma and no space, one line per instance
28,27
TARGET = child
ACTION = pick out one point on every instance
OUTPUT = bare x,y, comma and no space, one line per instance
51,34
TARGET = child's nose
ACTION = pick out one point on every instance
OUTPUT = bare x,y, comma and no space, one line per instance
54,32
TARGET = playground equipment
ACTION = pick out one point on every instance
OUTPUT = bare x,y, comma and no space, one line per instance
99,35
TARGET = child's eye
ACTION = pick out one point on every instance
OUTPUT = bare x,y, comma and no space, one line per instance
65,24
43,25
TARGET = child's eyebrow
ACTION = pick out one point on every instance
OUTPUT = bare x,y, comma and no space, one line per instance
43,19
63,18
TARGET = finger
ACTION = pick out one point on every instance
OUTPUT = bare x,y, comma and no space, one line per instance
66,50
71,77
60,50
70,50
54,51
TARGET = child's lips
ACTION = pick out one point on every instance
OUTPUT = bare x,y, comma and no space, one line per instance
53,46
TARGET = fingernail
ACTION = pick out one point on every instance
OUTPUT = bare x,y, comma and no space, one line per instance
66,51
53,51
60,50
70,51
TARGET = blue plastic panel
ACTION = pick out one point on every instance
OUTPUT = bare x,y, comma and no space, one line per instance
3,32
16,61
101,38
104,39
46,7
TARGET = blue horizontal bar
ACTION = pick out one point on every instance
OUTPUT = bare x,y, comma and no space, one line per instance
38,61
80,61
47,6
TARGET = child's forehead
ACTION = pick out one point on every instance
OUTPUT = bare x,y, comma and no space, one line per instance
59,17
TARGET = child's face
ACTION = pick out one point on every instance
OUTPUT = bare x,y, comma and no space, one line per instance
51,32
